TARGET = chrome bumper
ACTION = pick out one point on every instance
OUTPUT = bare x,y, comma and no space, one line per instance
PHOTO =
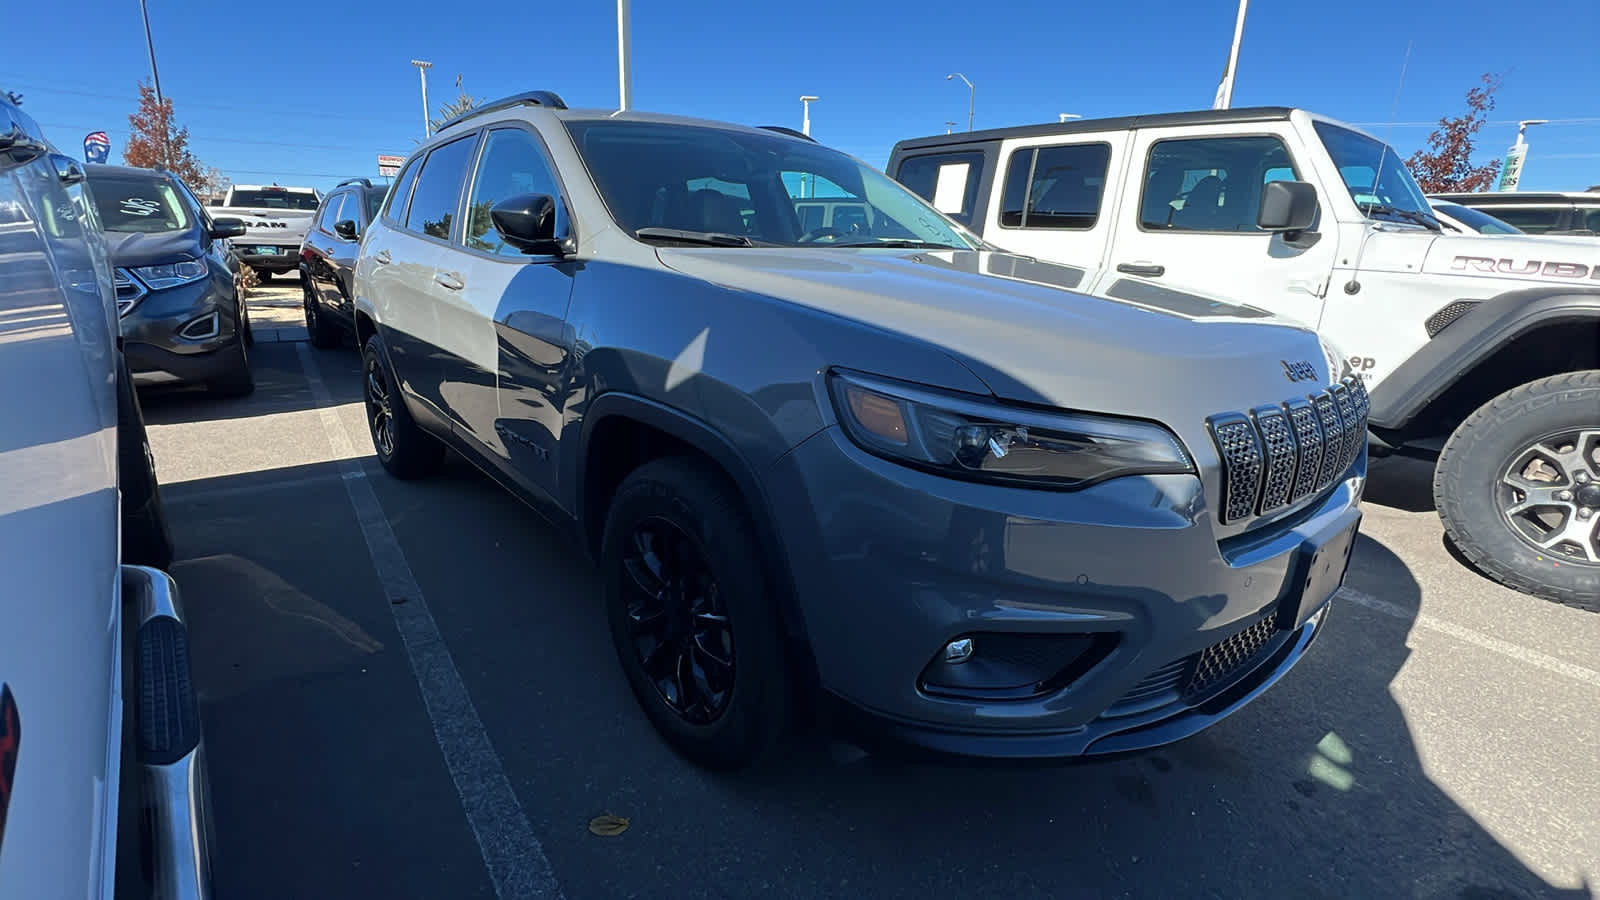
175,789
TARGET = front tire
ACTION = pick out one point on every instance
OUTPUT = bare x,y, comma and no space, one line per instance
692,617
1518,488
238,380
404,449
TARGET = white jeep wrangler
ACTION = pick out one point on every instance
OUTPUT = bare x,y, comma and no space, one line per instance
1482,351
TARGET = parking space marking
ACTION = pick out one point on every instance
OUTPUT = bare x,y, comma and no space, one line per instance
1478,639
511,853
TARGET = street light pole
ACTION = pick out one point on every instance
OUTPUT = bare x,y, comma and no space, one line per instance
948,126
1511,172
805,115
972,95
1066,116
155,79
624,58
427,121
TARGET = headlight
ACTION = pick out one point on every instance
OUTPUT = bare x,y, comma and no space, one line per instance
171,274
973,439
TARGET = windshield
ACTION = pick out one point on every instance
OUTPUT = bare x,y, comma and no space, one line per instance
137,205
1478,221
1359,158
273,198
763,189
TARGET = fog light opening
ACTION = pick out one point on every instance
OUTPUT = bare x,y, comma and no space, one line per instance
207,326
958,650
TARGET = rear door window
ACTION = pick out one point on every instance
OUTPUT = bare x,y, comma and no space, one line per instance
1055,187
400,194
437,193
1531,219
947,180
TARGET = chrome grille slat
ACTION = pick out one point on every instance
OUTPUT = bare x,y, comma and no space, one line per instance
1279,455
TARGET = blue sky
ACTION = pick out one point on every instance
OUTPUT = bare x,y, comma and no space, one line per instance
306,92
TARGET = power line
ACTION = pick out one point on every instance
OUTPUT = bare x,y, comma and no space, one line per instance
222,140
1593,120
43,89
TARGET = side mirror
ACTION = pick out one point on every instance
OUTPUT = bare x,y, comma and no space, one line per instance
1287,206
345,228
227,228
528,222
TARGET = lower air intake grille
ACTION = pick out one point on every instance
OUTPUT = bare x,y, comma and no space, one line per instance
1222,661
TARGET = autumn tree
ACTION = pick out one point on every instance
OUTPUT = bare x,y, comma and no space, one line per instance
1446,166
156,140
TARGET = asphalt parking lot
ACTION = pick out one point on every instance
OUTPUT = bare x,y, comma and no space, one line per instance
1441,740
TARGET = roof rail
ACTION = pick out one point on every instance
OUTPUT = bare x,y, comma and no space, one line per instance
527,98
366,182
789,131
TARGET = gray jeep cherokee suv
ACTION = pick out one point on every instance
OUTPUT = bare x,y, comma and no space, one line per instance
989,515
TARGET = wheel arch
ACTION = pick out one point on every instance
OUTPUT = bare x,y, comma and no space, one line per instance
1505,341
622,431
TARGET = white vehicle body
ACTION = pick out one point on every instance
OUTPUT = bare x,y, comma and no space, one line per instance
91,795
276,220
1440,325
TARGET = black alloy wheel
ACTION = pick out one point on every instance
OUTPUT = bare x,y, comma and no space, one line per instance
380,407
679,622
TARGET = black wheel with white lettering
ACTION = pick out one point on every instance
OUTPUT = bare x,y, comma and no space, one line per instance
1518,488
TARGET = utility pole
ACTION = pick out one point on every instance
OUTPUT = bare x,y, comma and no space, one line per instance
805,115
972,95
624,57
427,120
1224,98
155,78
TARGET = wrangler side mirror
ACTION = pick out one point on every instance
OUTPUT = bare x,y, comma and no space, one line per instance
1287,206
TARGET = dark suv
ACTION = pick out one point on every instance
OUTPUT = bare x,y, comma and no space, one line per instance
183,315
328,258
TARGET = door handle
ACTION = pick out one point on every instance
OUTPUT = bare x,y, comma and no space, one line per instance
382,257
450,281
1148,270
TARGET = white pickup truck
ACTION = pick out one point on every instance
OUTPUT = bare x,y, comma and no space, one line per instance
275,223
1480,350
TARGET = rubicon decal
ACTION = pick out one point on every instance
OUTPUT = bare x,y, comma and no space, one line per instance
10,740
1542,268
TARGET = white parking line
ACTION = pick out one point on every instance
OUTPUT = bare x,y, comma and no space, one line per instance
1478,639
512,854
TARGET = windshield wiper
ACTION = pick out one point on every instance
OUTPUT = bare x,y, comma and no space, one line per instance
685,236
897,244
1409,215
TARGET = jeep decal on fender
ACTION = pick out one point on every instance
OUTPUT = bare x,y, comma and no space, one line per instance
1548,269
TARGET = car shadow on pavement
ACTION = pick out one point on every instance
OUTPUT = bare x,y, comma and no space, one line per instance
1314,790
280,387
1401,482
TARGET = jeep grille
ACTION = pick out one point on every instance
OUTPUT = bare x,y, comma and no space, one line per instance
1278,455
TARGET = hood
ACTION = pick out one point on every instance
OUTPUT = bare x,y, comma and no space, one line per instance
1154,352
128,250
1565,260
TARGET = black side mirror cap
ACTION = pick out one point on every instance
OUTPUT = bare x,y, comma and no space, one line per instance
227,228
1289,206
345,228
528,222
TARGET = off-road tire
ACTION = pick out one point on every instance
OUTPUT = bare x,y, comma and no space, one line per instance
698,500
1464,485
413,452
238,380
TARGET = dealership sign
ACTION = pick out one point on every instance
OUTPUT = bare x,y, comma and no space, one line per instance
389,166
1512,171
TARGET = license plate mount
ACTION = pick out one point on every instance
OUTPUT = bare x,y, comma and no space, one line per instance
1320,572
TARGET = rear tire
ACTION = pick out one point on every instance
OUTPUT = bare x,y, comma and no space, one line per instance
146,537
1516,474
404,448
263,276
704,654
